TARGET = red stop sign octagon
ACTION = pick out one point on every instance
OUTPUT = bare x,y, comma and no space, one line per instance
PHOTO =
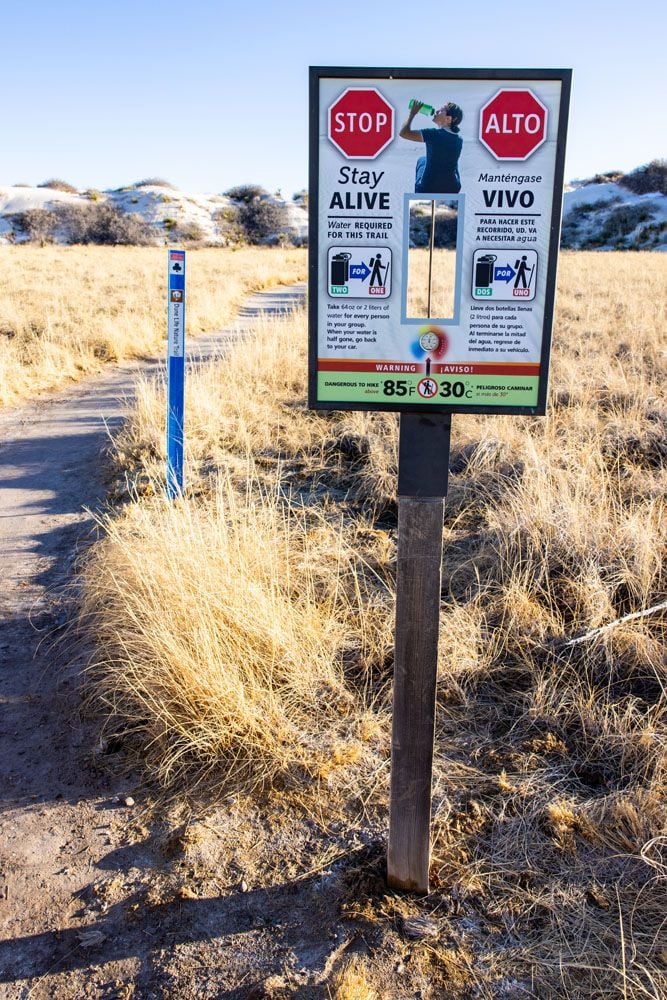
513,124
361,123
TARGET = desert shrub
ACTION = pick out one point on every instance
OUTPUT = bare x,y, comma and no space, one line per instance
420,230
611,177
586,207
445,229
262,219
57,185
653,234
570,232
246,192
36,225
103,224
153,182
589,243
193,232
229,225
187,232
301,197
647,179
623,220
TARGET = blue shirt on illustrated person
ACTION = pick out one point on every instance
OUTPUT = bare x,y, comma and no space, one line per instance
438,171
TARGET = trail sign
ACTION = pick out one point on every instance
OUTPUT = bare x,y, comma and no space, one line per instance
176,370
513,124
494,228
383,238
361,123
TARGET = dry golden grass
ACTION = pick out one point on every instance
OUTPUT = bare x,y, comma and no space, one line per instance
65,311
240,673
226,423
351,982
443,278
549,792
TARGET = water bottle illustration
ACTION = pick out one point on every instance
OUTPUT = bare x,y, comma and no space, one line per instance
426,109
484,270
340,268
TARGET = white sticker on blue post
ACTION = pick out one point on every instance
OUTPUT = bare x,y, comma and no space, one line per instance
176,303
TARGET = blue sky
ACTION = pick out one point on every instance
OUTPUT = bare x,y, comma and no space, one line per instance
210,94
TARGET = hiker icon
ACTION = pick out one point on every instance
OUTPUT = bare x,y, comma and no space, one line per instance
379,270
427,387
521,268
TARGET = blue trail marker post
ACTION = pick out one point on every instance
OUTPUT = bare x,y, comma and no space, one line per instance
176,370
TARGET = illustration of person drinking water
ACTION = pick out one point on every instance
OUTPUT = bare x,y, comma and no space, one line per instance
437,172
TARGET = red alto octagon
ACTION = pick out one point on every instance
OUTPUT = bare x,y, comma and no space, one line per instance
513,124
361,123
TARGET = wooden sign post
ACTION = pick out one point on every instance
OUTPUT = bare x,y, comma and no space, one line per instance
422,487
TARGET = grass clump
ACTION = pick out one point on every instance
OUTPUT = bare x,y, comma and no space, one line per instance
353,982
154,182
55,184
246,193
243,676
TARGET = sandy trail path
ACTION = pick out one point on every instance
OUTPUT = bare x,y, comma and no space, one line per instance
59,826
